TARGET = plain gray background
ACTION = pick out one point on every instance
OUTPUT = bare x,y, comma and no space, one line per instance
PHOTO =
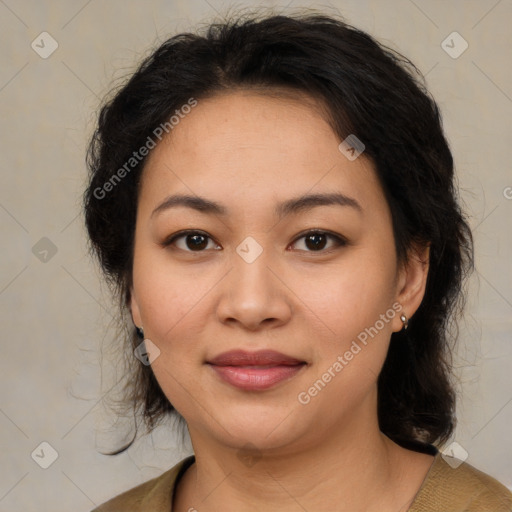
55,311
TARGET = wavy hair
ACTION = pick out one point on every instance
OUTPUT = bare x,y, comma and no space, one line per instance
368,90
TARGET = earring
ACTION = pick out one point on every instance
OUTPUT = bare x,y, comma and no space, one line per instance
140,332
404,320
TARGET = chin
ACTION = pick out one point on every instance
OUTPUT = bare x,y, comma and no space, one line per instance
264,430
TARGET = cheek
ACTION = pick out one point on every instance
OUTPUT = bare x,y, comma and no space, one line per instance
356,303
351,301
170,299
173,308
351,295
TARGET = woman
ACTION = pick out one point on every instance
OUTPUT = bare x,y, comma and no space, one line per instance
274,203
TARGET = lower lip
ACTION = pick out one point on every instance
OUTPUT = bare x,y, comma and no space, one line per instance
254,379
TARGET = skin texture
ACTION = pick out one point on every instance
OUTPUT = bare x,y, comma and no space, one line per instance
249,151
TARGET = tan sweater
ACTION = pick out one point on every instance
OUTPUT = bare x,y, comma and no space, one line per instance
445,489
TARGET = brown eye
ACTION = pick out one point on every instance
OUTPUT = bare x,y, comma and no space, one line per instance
190,241
316,241
196,241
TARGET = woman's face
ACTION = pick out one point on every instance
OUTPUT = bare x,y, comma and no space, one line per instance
249,277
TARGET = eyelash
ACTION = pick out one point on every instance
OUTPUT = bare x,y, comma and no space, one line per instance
339,240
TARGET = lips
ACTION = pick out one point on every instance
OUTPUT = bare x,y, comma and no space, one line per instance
260,358
253,371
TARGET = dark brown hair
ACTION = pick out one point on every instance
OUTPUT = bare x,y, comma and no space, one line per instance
369,90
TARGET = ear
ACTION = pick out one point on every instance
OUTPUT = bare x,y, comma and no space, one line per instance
134,309
411,282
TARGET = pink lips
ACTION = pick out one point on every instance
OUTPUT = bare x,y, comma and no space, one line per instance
254,371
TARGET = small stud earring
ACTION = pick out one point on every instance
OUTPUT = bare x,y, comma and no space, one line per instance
405,321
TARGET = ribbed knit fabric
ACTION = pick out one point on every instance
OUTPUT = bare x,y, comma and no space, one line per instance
155,495
460,489
444,489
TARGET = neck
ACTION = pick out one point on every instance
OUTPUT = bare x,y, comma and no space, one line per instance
355,467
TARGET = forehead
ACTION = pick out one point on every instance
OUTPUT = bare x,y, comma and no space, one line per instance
277,122
248,145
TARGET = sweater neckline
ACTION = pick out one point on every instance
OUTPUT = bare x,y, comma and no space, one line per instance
411,445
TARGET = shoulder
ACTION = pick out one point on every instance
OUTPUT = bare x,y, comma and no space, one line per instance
155,495
459,487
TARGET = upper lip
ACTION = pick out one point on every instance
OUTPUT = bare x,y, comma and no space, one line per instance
260,357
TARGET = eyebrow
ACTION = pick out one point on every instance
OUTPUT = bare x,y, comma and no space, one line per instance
290,206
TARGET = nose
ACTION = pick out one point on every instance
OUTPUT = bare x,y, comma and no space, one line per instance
253,295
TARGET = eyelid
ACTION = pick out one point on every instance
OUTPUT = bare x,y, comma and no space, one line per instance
339,240
171,239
